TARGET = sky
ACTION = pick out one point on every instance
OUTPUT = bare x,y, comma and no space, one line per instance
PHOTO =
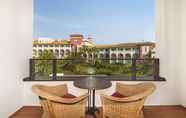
106,21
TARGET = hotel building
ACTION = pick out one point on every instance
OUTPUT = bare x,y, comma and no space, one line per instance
127,50
60,47
63,48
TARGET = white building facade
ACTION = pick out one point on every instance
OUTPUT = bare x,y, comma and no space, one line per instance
63,48
59,47
127,50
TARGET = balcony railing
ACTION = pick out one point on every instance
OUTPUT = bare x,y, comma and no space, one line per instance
114,69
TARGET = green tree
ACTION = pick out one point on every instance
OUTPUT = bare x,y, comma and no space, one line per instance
43,65
89,50
46,55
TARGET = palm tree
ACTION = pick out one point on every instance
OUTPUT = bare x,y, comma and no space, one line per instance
89,51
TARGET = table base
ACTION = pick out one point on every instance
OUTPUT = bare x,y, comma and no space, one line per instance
91,104
91,112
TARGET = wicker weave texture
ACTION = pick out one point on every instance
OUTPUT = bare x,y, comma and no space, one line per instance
130,106
54,106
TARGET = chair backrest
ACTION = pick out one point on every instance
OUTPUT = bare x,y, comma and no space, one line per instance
129,106
137,91
50,92
55,106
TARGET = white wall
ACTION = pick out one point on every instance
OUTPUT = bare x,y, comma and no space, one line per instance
157,98
15,50
171,40
183,52
166,34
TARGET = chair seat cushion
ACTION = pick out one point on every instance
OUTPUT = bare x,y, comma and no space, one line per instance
68,95
118,95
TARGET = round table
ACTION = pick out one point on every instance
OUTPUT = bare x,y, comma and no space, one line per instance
92,84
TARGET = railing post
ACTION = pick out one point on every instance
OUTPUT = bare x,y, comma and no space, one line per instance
54,62
156,69
133,69
31,69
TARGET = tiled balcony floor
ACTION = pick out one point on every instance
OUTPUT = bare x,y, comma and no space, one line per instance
149,112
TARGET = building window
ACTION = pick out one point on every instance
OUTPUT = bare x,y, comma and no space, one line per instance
34,53
39,52
120,56
113,56
57,53
101,56
113,49
85,55
62,52
101,50
127,49
128,56
106,50
135,55
120,49
67,52
90,56
51,51
107,56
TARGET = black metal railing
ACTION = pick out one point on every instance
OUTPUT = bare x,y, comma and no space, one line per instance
63,69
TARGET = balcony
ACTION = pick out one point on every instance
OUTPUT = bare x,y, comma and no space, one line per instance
112,69
168,101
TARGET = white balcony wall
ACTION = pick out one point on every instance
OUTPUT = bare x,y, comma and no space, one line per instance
171,40
157,98
183,52
15,49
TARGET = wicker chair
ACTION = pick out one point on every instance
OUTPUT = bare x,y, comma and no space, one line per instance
55,106
129,106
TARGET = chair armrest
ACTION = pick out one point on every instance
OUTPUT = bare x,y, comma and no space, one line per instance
71,100
116,99
58,90
140,90
61,88
55,98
